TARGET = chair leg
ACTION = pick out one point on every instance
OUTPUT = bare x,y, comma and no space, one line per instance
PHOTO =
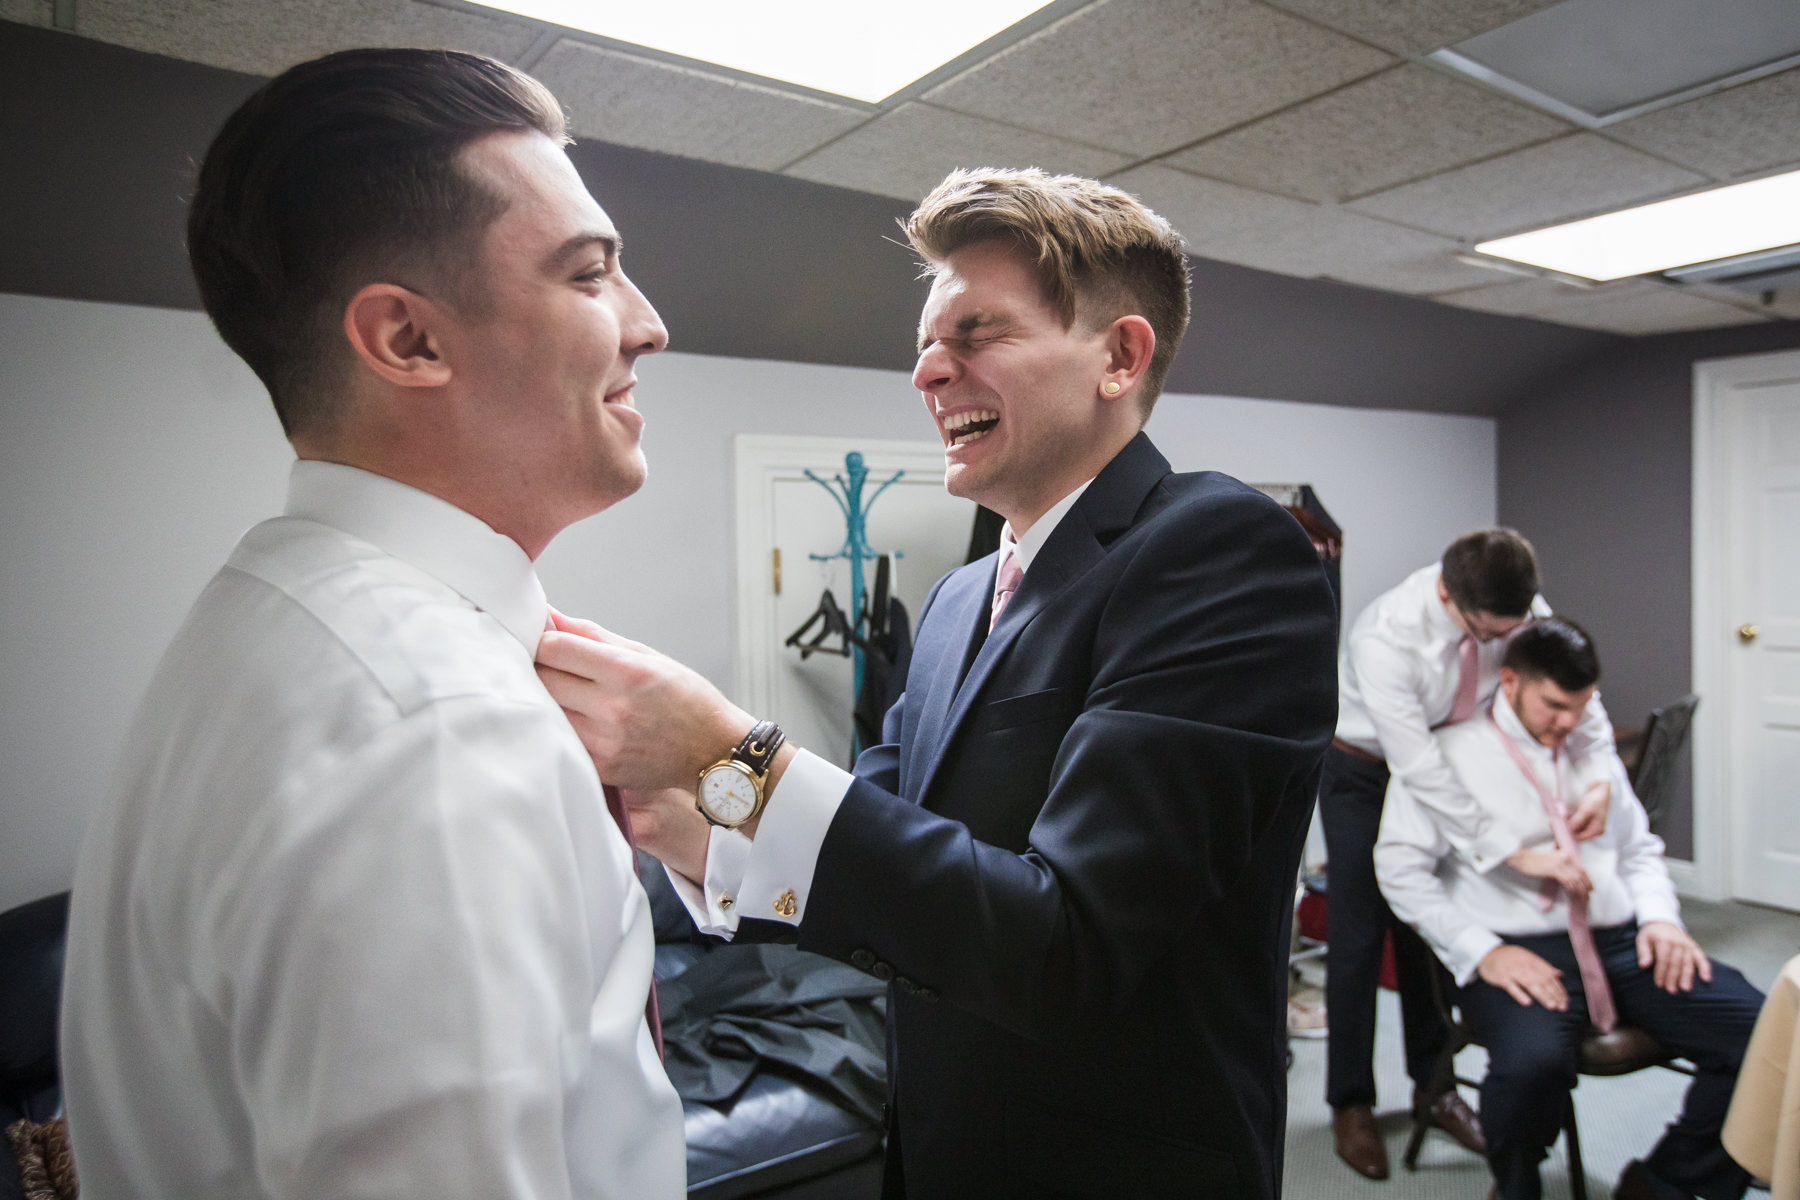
1411,1158
1572,1138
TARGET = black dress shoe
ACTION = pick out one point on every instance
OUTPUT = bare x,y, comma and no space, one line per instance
1358,1140
1452,1114
1639,1182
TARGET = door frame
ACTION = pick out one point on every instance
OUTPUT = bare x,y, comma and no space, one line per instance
761,460
1716,381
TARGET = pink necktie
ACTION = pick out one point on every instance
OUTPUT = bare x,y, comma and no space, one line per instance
1593,976
1008,583
1469,675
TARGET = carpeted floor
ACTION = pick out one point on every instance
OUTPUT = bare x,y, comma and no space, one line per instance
1620,1118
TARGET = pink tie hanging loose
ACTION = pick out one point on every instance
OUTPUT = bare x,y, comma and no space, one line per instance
1011,574
1601,1013
1469,674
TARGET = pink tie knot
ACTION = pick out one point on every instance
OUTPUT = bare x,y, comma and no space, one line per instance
1011,575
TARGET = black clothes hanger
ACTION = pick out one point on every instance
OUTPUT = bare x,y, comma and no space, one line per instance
832,623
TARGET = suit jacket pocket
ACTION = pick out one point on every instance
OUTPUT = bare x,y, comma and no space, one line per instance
1069,1155
1028,709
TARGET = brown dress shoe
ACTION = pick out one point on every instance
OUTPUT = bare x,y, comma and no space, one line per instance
1359,1141
1452,1114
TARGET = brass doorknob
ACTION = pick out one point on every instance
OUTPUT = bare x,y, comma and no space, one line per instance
1747,633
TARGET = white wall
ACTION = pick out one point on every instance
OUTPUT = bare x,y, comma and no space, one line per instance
1402,485
134,449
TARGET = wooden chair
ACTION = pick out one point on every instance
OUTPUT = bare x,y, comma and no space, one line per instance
1620,1052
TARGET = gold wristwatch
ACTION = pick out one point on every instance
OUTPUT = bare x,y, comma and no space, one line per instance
734,789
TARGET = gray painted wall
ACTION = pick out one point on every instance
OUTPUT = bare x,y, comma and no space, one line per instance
1596,468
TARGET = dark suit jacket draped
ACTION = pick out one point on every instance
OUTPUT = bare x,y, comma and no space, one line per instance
1075,855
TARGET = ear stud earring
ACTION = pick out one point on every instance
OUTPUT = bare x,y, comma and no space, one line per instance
1110,387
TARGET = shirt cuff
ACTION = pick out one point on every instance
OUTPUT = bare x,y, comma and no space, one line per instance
713,907
1652,907
1490,849
777,879
1472,945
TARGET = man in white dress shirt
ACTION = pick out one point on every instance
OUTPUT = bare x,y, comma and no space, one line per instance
1422,655
355,920
1538,960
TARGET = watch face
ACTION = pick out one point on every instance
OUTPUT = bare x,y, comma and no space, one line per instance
728,794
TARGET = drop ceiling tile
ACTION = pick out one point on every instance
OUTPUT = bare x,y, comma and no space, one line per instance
267,38
1145,76
1571,177
1631,307
28,12
1402,124
1514,297
1413,26
1738,132
1273,233
658,106
906,152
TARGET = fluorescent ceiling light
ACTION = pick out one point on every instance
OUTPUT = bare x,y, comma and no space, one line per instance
864,49
1726,221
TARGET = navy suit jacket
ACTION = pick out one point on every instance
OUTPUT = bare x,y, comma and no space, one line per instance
1075,855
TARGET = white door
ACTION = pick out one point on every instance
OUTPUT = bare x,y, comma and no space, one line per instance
781,511
1764,640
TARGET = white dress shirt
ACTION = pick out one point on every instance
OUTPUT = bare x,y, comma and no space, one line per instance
1397,680
354,921
1462,911
755,877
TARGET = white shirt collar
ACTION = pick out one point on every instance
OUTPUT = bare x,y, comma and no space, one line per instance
1026,548
1437,617
488,569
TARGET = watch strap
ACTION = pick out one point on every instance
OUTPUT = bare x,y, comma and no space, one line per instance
758,748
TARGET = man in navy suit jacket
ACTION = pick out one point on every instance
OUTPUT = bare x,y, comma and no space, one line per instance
1074,856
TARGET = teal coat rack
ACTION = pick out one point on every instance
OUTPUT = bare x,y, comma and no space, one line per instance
849,496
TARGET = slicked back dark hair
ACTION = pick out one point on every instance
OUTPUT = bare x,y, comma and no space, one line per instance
338,173
1557,649
1491,571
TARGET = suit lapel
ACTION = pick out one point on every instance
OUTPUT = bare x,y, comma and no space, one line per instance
946,643
1079,541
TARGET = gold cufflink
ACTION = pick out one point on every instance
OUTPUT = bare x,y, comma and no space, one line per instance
726,901
786,905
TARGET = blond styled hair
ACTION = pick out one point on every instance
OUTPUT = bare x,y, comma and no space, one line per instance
1100,253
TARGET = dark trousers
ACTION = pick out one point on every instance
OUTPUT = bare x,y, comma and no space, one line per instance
1532,1055
1357,919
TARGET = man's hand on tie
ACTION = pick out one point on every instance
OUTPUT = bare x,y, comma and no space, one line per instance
1555,864
1676,957
1588,821
648,722
1525,976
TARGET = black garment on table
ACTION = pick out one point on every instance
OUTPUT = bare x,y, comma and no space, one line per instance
745,1008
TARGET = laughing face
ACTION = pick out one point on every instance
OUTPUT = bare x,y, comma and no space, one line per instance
1014,394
